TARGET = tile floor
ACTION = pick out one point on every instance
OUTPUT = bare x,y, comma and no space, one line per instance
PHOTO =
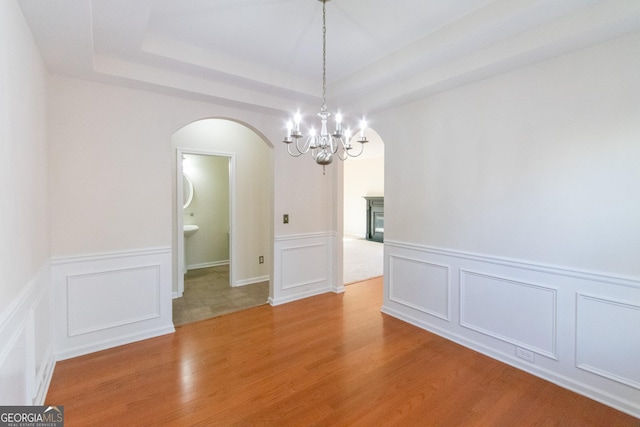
207,294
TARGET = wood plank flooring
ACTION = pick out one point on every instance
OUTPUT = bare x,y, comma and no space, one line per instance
333,359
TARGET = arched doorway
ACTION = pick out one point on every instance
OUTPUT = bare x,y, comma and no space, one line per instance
247,157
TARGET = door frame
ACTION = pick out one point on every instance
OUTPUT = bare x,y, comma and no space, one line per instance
179,211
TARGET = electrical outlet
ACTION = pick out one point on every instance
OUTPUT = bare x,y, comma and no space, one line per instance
261,259
285,218
527,355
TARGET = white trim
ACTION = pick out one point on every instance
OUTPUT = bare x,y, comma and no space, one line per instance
308,273
633,282
291,298
251,281
580,298
18,335
179,211
292,237
115,342
446,316
71,278
561,365
551,353
207,264
123,326
74,259
617,402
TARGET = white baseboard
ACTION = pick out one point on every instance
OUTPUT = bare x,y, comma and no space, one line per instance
298,296
26,352
303,266
573,324
116,341
251,281
207,264
106,300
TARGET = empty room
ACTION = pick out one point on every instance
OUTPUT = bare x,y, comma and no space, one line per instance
178,189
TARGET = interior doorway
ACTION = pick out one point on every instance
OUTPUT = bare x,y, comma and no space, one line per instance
223,232
363,177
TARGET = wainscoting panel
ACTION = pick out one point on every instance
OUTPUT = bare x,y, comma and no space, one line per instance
302,266
608,342
111,299
420,285
40,316
575,328
15,368
135,292
519,313
26,350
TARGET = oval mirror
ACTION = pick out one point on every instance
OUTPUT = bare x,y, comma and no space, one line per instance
187,191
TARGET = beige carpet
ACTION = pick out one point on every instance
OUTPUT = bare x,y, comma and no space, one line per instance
363,259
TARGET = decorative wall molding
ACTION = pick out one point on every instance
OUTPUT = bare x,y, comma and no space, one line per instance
427,289
522,314
632,282
303,266
111,299
604,323
26,355
76,259
88,293
579,321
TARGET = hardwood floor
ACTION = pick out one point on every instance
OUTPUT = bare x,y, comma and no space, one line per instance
326,360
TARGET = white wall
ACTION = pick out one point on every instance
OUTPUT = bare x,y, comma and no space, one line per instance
209,210
113,202
26,353
537,164
511,209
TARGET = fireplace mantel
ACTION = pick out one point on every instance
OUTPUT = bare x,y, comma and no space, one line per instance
375,218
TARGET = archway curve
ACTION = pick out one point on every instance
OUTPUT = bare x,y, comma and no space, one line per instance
236,139
230,119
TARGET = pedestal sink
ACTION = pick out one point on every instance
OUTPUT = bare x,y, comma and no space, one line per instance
190,229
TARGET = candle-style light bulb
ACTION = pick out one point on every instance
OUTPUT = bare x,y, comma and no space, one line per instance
294,128
347,138
363,126
338,132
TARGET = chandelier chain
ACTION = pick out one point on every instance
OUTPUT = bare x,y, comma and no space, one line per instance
324,56
325,144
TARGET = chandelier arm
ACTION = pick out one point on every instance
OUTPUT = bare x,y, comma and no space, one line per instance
344,156
323,145
335,144
294,154
305,147
356,155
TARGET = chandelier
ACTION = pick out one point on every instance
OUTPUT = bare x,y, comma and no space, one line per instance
323,145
